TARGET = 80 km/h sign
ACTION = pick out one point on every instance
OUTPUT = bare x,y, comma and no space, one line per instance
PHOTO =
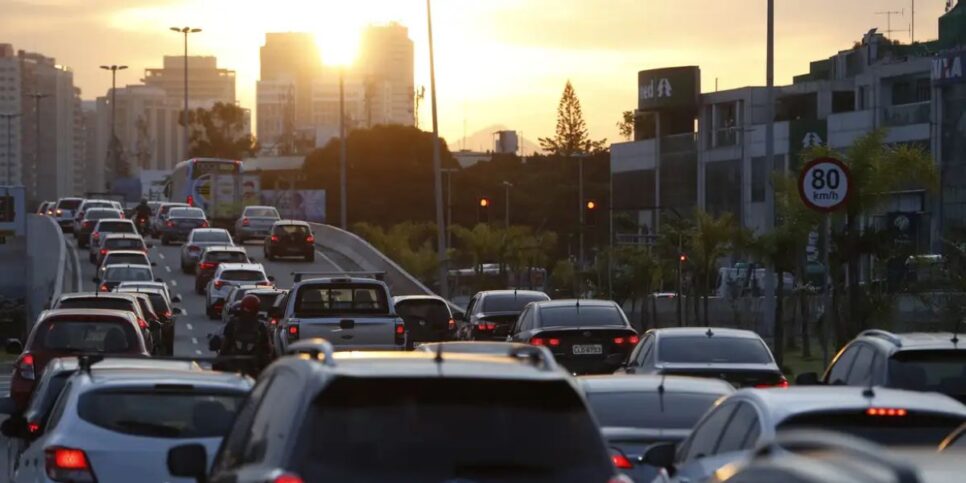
824,184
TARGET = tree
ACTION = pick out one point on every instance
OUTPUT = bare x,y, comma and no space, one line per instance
710,240
626,125
571,137
220,132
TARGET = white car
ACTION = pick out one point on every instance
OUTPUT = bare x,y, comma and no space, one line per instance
198,240
118,424
88,205
152,285
228,275
127,257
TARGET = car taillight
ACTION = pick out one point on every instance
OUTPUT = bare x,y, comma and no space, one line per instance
621,462
552,342
451,324
204,224
246,222
190,200
103,251
142,324
33,428
96,236
219,283
486,326
310,239
88,224
292,332
274,238
104,288
633,339
166,314
886,412
170,224
207,265
25,365
273,322
193,248
287,478
400,332
400,329
782,384
67,464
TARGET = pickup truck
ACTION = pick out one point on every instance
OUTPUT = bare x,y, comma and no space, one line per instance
353,313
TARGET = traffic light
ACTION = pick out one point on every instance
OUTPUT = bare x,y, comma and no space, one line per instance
483,209
683,258
590,212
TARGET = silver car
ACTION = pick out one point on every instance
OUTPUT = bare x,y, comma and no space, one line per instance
119,422
255,222
228,275
198,240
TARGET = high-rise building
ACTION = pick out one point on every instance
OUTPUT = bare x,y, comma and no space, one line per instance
207,84
10,122
292,59
79,184
386,66
276,112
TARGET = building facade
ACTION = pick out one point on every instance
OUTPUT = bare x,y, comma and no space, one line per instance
386,67
11,171
207,83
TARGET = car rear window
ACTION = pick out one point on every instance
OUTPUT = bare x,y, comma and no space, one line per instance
161,413
186,213
158,302
69,204
510,302
313,300
125,258
930,370
86,335
580,317
41,402
166,208
261,212
389,430
211,236
640,409
133,274
914,429
115,227
430,310
716,349
124,244
99,214
226,257
106,303
291,230
266,300
242,275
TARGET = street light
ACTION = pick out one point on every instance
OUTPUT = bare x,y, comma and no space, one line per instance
437,174
343,176
113,69
185,31
10,117
449,203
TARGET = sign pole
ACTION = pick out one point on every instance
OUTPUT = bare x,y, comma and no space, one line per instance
827,294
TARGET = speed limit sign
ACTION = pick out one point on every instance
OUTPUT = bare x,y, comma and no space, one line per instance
824,184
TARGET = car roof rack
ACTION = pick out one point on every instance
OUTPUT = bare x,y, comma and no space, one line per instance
314,347
882,334
540,357
381,276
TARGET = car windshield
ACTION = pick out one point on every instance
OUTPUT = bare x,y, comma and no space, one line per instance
107,303
124,244
97,204
99,214
580,317
134,274
242,275
86,335
115,227
266,300
648,409
186,213
211,237
165,209
716,349
226,257
504,430
430,310
510,302
125,258
161,412
261,213
915,428
291,230
69,204
930,370
340,299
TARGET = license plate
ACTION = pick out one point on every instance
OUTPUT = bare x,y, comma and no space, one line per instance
583,349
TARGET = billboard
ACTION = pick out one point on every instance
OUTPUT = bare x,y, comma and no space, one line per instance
307,205
671,88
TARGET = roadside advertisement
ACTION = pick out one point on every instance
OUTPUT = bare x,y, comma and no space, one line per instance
224,197
306,205
672,88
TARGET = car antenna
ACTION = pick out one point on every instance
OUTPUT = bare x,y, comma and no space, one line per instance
439,353
869,392
709,333
660,392
955,339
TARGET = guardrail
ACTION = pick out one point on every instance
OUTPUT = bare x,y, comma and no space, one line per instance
46,262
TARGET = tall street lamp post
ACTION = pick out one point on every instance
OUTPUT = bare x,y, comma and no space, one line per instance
185,31
10,117
506,217
449,204
769,302
437,174
343,176
114,69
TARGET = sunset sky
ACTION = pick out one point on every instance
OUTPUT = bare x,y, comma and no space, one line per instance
498,61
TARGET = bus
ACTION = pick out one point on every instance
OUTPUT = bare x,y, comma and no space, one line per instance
217,186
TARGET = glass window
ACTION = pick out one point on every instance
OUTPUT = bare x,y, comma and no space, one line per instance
702,348
340,299
226,257
187,213
134,274
125,258
115,227
124,244
99,214
644,350
71,204
862,368
510,302
283,387
580,317
930,370
90,335
233,445
58,411
211,237
736,436
107,303
291,230
160,414
242,275
704,439
433,311
261,212
913,429
640,409
840,368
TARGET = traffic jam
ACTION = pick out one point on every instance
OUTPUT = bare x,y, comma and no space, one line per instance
335,378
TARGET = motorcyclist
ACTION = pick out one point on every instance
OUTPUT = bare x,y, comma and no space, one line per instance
245,335
142,214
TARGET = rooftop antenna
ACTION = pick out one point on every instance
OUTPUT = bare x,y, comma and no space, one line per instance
888,14
709,333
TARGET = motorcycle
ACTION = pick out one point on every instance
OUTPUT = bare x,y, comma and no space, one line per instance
142,223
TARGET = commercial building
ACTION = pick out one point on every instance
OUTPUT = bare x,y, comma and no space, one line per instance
386,66
207,84
707,150
10,123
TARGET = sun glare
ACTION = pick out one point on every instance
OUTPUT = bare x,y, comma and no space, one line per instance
339,47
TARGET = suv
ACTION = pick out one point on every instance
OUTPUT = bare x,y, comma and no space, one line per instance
290,238
228,275
491,314
101,230
255,222
415,416
915,361
83,226
213,256
160,216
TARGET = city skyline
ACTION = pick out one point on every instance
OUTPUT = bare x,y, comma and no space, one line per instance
498,62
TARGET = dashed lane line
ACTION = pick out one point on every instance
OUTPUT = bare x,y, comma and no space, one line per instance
189,326
197,352
194,340
161,255
167,269
174,283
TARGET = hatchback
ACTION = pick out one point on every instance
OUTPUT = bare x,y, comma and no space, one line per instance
197,241
115,274
180,222
255,222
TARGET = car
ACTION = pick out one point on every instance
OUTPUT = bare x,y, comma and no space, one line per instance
491,314
740,357
110,301
585,336
355,312
227,275
64,212
917,361
151,285
255,222
109,424
160,216
197,241
179,223
115,274
290,238
750,418
102,228
162,305
376,417
115,257
211,257
235,294
491,348
428,318
119,241
84,226
66,332
45,208
156,326
90,204
635,412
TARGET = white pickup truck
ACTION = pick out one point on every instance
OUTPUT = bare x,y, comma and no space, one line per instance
351,312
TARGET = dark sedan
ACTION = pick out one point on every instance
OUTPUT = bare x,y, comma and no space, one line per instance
491,313
180,222
428,318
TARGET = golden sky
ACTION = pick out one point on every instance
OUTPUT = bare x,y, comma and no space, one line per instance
497,61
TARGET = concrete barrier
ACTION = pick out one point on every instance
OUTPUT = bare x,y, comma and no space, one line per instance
46,261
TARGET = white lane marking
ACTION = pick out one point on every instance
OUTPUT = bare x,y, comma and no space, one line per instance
194,340
189,326
198,352
167,269
161,255
324,257
174,283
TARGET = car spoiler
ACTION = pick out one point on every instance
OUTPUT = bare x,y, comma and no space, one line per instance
380,276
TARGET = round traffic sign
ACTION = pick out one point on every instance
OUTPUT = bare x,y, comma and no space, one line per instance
824,184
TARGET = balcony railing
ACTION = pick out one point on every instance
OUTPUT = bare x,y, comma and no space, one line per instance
679,143
907,114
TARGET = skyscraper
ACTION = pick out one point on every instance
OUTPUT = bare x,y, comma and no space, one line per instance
290,63
386,66
10,122
207,84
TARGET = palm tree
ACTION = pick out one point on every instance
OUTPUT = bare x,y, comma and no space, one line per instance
710,241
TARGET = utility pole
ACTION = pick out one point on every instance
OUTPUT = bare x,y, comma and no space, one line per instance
343,177
437,174
10,117
769,305
449,204
506,217
186,31
36,97
580,211
114,69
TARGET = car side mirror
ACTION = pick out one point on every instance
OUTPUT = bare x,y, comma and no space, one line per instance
807,379
188,461
214,343
660,455
176,299
13,347
15,426
159,280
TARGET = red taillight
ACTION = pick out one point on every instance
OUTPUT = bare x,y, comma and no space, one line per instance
552,342
246,222
619,340
193,248
452,324
204,224
26,367
400,329
190,200
781,384
621,462
207,265
170,224
67,464
33,428
142,324
886,412
103,251
633,339
538,341
292,332
88,224
310,239
104,288
486,326
96,236
274,238
219,283
287,478
273,322
166,314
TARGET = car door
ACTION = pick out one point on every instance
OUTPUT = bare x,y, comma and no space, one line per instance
838,373
697,454
637,361
739,436
861,373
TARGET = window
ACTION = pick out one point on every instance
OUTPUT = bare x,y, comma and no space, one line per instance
234,442
930,370
325,299
58,411
125,258
704,439
242,275
226,257
211,237
917,428
160,413
87,335
107,303
261,212
115,227
646,349
841,366
580,317
737,436
714,349
525,321
124,244
510,302
862,367
291,230
195,213
642,409
284,385
133,274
